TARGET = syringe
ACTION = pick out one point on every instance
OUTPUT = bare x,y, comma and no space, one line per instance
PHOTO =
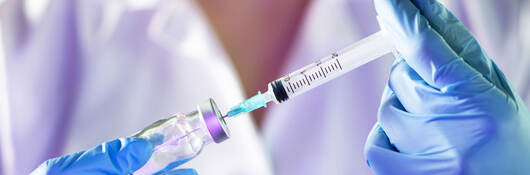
318,72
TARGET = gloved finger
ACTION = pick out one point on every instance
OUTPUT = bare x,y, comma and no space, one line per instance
186,171
420,98
398,123
458,37
120,156
421,46
383,158
432,133
377,138
170,167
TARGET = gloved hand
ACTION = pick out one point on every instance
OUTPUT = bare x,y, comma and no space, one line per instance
447,108
121,156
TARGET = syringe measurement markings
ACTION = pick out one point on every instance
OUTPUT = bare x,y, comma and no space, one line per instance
324,70
339,64
334,55
309,84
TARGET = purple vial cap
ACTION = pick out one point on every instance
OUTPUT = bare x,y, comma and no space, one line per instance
214,121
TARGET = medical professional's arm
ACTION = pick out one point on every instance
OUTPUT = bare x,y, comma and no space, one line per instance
121,156
447,108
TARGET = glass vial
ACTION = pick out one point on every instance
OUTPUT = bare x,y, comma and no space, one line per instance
182,137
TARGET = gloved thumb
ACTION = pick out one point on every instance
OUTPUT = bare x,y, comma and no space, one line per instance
422,47
120,156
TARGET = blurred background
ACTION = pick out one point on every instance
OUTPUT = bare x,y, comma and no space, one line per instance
75,73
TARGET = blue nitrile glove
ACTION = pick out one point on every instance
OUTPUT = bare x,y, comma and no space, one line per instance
447,108
121,156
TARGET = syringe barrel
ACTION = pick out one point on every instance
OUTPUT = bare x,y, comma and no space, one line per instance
332,66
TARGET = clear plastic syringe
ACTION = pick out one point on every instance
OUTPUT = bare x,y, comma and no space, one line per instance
318,72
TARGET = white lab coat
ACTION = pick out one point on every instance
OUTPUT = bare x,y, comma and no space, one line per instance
324,130
82,72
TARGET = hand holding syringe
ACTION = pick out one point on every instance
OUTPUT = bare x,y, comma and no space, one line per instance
318,72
